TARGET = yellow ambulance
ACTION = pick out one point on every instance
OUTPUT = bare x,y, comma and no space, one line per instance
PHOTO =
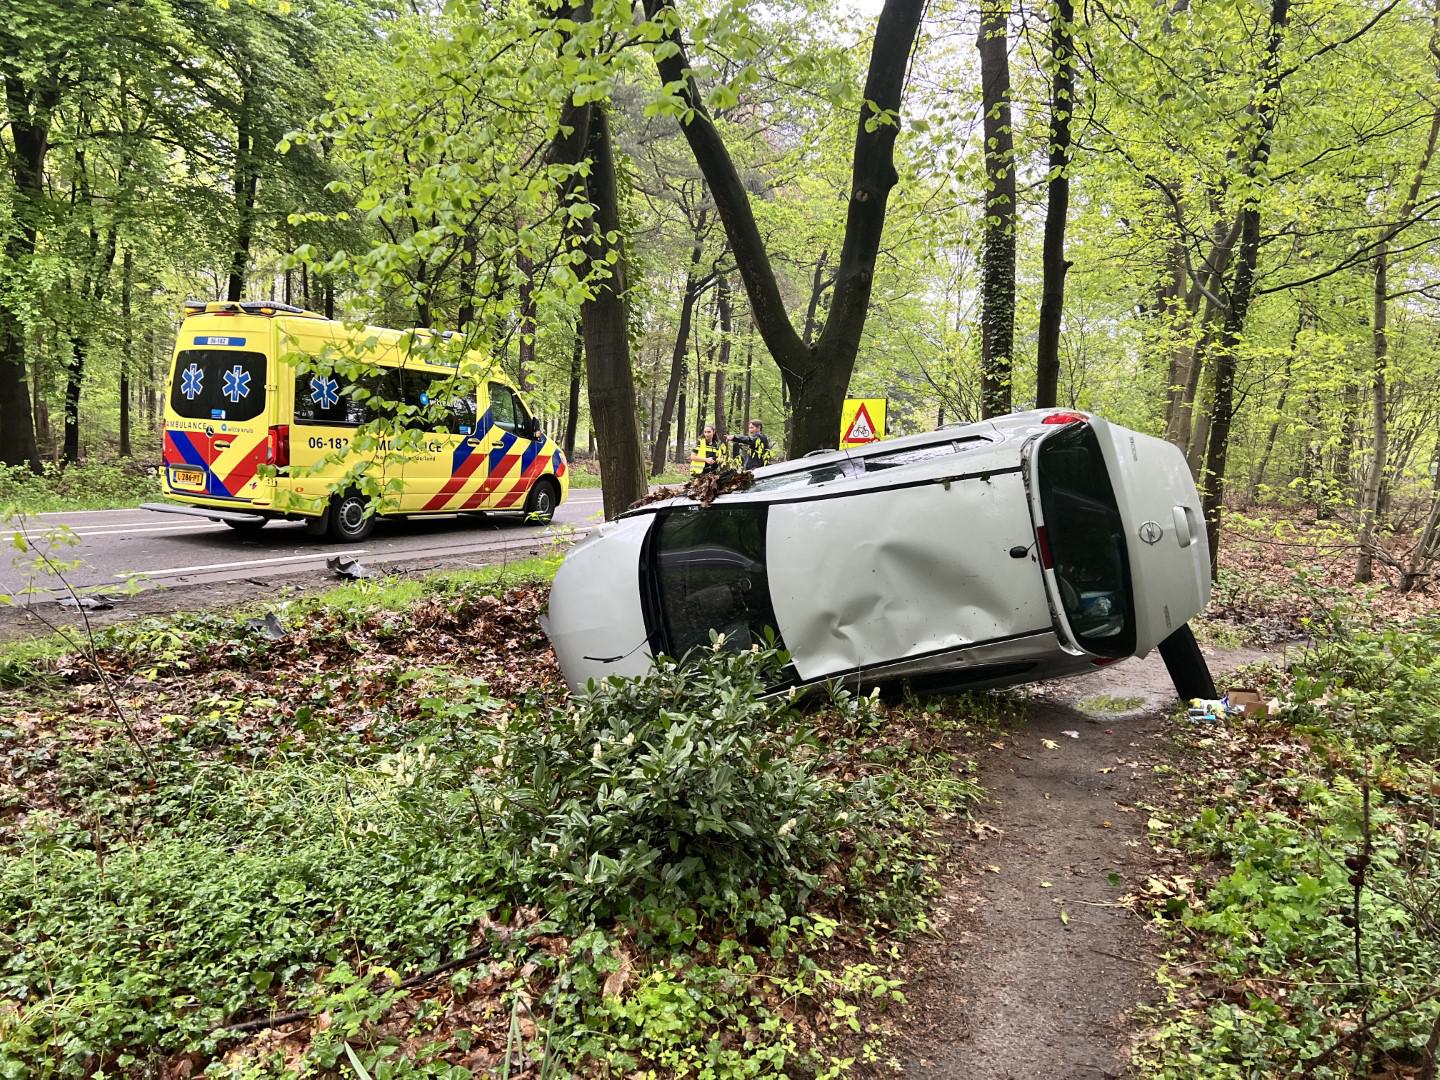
246,393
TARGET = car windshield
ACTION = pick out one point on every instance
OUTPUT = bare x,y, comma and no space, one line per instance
816,474
1087,541
709,572
915,454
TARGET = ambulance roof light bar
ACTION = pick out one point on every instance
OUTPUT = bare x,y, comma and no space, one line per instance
246,307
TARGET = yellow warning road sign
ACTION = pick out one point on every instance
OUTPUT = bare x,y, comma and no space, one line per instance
862,421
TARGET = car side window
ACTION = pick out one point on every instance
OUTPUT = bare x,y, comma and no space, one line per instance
331,398
709,570
1087,541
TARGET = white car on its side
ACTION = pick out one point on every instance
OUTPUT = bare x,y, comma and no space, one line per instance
1033,546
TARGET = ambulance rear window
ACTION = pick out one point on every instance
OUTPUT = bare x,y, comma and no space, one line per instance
218,384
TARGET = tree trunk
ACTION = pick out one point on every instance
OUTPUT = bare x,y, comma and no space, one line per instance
247,180
127,348
997,259
29,110
572,411
674,388
607,343
722,301
1375,481
1306,314
818,285
1222,412
97,277
816,378
749,364
1370,493
1053,262
527,318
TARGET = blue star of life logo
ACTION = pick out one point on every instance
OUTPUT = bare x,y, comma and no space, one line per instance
237,383
324,391
192,380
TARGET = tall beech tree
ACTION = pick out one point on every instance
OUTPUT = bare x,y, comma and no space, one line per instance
816,377
1053,264
997,259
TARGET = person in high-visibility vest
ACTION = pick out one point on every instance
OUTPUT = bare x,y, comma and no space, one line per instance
706,455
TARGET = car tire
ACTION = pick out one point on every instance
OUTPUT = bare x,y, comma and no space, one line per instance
540,504
247,528
1186,664
350,519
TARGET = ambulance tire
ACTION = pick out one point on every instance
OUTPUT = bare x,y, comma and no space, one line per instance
540,504
351,520
1186,664
247,528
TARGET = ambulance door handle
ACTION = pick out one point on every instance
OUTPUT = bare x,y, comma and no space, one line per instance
472,442
218,445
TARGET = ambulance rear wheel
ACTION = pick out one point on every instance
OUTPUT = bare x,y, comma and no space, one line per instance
351,519
540,504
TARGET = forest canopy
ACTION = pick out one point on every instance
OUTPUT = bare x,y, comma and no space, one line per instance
1209,220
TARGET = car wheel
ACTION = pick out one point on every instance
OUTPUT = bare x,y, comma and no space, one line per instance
351,519
247,528
541,502
1186,664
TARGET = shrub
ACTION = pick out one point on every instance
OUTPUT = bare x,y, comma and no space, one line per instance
683,787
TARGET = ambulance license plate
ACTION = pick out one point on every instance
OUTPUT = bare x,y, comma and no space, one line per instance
188,477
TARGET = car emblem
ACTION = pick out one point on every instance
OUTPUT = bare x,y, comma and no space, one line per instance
1151,532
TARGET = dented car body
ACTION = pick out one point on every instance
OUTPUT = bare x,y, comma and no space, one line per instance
1029,547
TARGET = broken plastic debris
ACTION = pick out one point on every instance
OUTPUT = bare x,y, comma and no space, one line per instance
269,627
1071,734
93,602
346,566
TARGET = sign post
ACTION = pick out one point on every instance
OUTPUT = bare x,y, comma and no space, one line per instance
862,421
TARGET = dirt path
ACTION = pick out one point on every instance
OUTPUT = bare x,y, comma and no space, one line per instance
1038,962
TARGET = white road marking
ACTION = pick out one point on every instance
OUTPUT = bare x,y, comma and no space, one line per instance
116,531
210,567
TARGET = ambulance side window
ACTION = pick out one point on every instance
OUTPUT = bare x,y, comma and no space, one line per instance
333,399
443,402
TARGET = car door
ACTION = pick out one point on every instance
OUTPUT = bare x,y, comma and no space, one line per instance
866,579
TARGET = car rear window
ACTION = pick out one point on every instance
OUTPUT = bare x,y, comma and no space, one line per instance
1087,541
218,384
709,572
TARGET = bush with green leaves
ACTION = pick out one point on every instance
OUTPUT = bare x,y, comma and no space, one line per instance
92,486
687,786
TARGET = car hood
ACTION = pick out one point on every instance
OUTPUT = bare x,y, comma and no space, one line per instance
595,620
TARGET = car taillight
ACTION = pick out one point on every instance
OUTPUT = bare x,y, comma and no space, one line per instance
278,450
1042,544
1065,418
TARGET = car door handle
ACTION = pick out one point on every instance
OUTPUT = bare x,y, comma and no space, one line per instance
218,445
1184,525
472,442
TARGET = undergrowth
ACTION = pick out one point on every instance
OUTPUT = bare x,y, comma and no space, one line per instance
95,486
387,842
1311,930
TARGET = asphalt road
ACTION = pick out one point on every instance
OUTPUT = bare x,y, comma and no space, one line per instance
166,550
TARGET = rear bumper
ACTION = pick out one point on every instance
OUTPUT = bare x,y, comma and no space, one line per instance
212,514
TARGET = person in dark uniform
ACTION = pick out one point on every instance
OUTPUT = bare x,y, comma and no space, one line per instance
753,449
